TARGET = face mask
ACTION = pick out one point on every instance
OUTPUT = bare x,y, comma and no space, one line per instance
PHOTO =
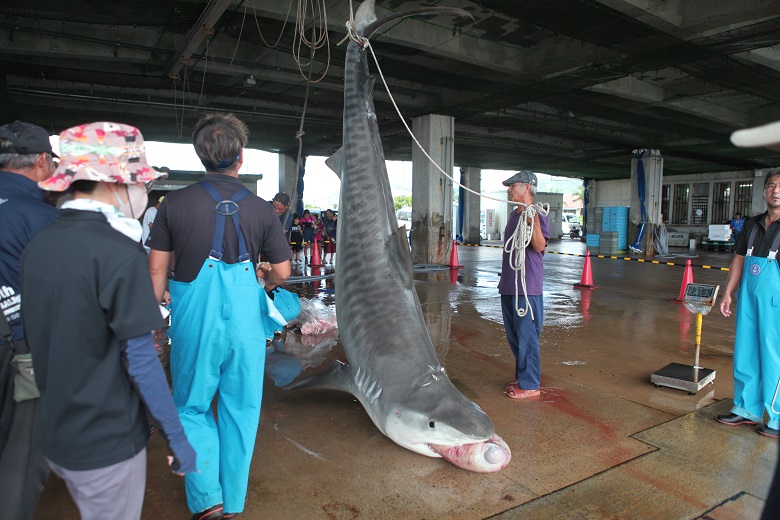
137,201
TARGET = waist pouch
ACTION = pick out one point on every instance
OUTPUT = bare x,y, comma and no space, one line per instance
24,378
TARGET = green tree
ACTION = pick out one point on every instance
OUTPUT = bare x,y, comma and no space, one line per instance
402,201
578,194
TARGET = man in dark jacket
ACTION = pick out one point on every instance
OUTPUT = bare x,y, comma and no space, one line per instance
26,158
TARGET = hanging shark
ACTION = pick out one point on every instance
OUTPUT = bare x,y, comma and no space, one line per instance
392,366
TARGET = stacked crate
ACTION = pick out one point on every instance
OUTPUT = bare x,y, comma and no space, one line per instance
609,243
592,241
595,221
614,230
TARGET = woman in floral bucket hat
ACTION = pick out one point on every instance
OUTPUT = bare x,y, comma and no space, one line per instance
89,325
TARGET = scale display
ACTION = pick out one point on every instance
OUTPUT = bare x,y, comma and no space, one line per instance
700,298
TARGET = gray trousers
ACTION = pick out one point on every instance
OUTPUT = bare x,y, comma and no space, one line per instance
115,492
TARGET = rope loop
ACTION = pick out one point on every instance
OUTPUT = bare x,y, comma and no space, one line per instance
354,36
516,245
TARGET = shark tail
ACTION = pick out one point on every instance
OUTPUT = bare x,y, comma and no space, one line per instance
371,23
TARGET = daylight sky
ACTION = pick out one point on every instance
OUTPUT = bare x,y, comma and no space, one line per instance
321,184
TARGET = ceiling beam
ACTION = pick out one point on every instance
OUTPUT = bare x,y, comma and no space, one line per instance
203,28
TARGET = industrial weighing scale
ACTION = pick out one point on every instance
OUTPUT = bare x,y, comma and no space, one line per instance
699,299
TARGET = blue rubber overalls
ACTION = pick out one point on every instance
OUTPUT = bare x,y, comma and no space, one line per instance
218,346
757,343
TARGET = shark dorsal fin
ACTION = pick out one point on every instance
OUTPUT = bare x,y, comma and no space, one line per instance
397,248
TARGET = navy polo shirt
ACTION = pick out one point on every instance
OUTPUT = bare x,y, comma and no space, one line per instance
23,212
185,225
764,237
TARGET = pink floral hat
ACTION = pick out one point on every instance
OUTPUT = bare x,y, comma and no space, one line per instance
102,151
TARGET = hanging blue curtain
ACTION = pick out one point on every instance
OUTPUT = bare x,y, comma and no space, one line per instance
461,203
640,182
301,173
585,207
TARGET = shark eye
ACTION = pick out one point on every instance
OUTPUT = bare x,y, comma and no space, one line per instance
432,425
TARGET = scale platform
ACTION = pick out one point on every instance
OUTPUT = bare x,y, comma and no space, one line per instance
683,377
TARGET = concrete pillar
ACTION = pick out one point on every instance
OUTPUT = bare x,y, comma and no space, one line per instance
432,191
288,179
654,172
471,178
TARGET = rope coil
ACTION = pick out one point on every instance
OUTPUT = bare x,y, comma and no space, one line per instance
516,245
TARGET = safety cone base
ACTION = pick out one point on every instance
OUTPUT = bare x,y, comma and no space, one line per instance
316,261
687,278
454,262
586,281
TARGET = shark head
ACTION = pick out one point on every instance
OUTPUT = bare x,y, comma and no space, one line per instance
434,412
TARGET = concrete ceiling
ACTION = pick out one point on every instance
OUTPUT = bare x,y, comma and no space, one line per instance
566,87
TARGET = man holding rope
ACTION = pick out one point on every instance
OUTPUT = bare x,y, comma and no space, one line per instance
525,238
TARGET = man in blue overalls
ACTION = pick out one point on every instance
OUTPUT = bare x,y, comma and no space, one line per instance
216,230
756,355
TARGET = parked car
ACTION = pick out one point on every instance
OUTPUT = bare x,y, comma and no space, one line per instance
570,226
404,218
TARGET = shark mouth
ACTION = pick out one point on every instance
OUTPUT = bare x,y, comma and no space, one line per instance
481,457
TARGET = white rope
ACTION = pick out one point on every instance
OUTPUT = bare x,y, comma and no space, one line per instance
516,245
520,238
364,42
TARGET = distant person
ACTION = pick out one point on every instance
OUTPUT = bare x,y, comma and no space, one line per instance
319,235
281,204
736,226
522,331
26,158
149,217
331,226
755,271
308,222
89,324
217,230
296,238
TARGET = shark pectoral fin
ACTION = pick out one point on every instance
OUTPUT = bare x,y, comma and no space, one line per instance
397,249
338,376
335,161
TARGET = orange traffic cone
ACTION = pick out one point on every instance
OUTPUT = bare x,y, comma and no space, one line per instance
687,278
315,255
586,282
454,255
316,272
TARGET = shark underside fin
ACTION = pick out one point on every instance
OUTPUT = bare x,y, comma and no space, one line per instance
338,376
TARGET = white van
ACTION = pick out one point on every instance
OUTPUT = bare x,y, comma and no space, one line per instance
404,217
571,226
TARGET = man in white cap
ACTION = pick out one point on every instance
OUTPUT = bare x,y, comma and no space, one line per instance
26,157
89,311
521,298
754,270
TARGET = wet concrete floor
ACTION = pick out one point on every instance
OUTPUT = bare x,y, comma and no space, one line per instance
601,442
